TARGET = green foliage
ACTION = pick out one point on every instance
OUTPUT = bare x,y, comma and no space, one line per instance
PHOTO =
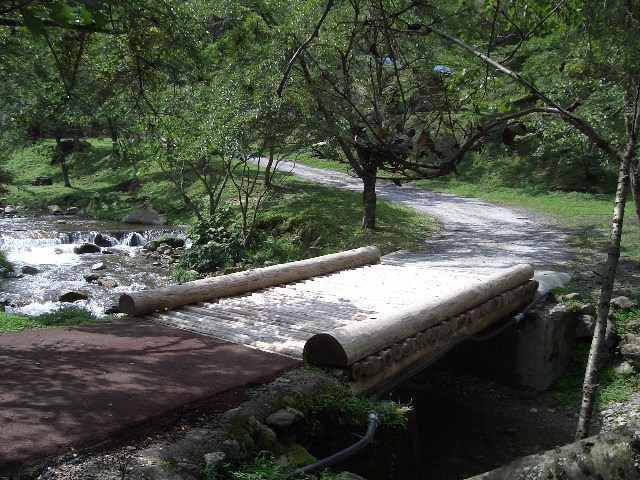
61,318
217,243
339,406
626,320
5,266
264,467
613,387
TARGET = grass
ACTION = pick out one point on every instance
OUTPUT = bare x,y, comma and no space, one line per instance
613,387
320,220
98,182
65,317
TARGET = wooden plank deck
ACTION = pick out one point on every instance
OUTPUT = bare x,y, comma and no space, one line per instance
281,319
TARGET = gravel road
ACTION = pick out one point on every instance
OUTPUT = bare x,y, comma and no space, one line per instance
475,234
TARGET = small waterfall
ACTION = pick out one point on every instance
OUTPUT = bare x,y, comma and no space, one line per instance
47,246
134,239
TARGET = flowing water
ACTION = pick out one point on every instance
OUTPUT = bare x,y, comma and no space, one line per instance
47,243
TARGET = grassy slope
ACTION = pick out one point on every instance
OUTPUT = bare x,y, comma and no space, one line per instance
62,318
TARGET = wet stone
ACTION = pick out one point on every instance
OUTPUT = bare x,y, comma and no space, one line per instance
29,270
86,248
71,297
92,277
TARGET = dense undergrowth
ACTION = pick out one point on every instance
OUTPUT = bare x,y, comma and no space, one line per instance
65,317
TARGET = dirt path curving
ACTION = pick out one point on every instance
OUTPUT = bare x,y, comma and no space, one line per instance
476,234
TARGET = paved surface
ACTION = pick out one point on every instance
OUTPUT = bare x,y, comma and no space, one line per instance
73,387
478,239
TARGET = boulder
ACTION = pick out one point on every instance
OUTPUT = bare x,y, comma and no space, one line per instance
107,283
214,459
55,210
86,248
173,242
284,418
152,246
135,240
92,277
42,181
102,240
570,296
71,211
145,216
587,309
585,326
108,251
232,448
98,266
10,210
611,455
630,349
29,270
624,303
71,297
624,368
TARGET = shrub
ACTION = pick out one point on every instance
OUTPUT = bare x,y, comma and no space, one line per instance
5,266
217,243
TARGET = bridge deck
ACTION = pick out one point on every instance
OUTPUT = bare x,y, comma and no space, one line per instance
281,319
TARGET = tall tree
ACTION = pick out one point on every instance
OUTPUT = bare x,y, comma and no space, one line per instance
611,44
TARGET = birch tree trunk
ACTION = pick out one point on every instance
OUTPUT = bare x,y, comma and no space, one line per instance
589,386
635,185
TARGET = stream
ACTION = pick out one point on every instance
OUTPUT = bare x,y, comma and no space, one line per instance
47,244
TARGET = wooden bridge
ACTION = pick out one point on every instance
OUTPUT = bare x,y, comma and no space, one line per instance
377,319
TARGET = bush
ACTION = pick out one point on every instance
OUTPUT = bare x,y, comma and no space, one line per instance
5,266
217,244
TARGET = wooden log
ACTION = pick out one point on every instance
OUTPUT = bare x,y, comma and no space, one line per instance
344,346
160,299
401,368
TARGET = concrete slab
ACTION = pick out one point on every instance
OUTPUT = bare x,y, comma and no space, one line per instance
75,387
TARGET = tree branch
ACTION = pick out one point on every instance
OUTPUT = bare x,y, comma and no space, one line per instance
304,46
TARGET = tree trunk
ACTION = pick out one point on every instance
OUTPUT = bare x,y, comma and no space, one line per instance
65,171
635,185
113,129
369,199
268,168
613,254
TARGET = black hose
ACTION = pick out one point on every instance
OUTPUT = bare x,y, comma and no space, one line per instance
374,423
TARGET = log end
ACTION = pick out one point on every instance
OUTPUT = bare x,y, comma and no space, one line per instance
126,304
323,350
